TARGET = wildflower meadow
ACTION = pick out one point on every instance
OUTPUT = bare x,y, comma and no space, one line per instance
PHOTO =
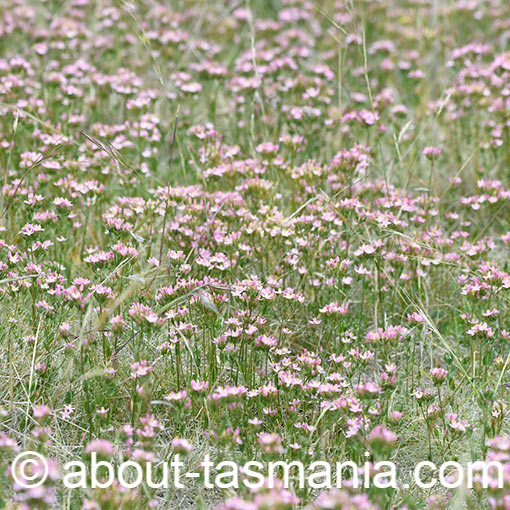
254,230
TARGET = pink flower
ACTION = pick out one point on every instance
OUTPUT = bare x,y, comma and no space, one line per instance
100,446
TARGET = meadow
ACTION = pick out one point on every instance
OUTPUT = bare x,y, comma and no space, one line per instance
254,229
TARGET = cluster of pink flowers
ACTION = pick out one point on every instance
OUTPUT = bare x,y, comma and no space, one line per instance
316,265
